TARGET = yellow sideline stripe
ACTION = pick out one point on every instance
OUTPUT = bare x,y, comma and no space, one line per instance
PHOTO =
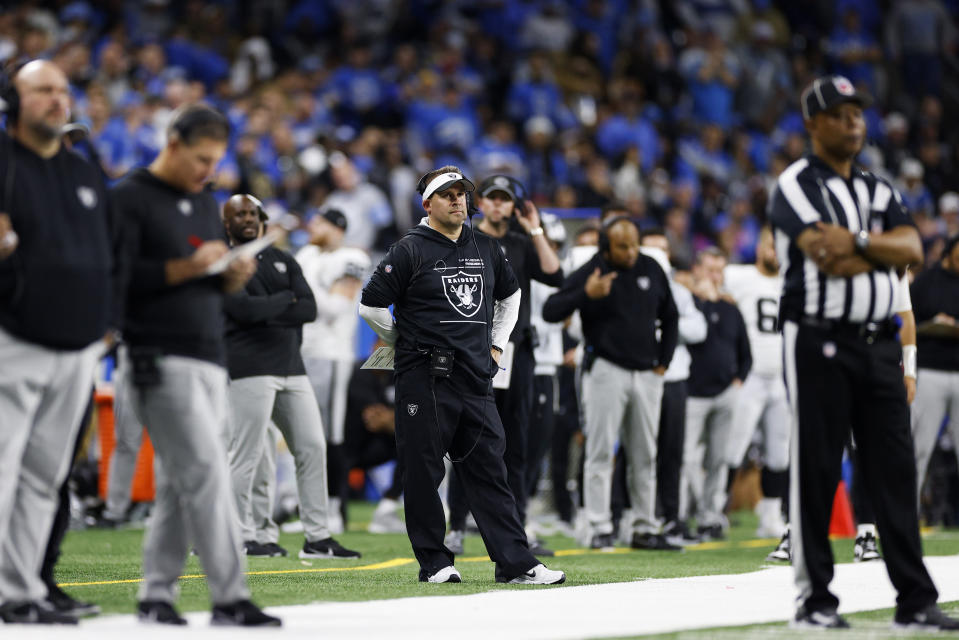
389,564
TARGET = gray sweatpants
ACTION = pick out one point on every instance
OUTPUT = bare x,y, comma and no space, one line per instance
128,431
290,402
263,498
704,475
937,395
186,417
331,380
43,394
624,404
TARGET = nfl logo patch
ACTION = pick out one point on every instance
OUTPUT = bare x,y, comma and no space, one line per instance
87,197
843,86
280,266
388,268
829,349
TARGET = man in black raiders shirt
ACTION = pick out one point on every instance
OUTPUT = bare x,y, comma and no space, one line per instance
455,301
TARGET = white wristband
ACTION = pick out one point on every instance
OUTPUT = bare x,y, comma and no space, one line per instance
536,231
909,360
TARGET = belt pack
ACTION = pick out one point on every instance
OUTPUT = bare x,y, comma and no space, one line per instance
145,363
441,362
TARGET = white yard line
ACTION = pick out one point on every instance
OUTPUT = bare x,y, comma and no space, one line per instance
633,608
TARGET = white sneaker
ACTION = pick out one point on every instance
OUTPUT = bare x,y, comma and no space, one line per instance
540,575
446,574
335,521
386,518
454,542
771,523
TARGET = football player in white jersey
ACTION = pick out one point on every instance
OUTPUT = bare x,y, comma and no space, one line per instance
756,289
335,274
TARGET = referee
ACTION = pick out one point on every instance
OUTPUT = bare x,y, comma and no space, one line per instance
456,300
841,234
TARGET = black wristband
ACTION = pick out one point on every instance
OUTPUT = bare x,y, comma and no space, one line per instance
495,348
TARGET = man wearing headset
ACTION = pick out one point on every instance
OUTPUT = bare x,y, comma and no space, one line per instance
455,300
631,327
57,301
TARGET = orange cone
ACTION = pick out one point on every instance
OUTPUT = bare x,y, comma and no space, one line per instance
842,525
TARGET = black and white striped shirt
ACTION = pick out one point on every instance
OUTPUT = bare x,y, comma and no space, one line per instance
808,191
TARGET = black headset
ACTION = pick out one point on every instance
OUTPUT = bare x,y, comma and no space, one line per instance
9,93
604,232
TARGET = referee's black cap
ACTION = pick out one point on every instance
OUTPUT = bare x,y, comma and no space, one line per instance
826,92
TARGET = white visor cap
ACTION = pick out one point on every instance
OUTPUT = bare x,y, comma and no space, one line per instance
444,181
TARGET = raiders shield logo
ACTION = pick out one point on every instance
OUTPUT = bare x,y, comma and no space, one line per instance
280,266
643,282
87,197
464,292
185,207
412,409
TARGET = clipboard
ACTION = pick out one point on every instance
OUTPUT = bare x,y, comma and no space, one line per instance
247,249
502,377
381,359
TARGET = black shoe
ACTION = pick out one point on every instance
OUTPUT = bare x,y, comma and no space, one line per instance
242,613
806,619
63,603
158,612
653,542
275,550
602,541
33,613
865,548
930,619
712,532
678,533
537,549
328,548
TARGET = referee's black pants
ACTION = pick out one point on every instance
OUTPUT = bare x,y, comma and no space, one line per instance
515,406
836,378
434,416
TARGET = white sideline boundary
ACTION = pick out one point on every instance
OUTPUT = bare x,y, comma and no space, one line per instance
620,609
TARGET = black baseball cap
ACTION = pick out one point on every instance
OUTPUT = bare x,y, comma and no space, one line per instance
335,217
497,183
826,92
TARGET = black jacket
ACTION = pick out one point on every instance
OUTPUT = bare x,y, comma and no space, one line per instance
724,355
264,326
622,326
524,260
59,289
443,293
935,291
161,223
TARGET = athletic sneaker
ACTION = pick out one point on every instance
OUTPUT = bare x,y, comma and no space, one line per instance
327,548
539,575
602,541
158,612
711,532
678,533
866,548
818,620
446,574
254,548
275,550
652,542
63,603
929,619
34,613
386,518
783,551
242,613
454,541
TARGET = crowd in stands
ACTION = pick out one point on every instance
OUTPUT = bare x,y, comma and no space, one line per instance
682,111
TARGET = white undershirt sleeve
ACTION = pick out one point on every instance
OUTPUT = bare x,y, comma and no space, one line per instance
381,321
505,314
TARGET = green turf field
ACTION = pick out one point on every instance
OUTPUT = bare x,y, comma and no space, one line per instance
103,566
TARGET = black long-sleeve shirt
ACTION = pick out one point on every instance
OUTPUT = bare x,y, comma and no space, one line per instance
265,321
523,258
935,291
724,355
622,326
162,223
59,287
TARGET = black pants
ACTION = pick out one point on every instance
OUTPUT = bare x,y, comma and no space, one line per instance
837,378
514,406
436,416
566,425
61,521
541,425
669,461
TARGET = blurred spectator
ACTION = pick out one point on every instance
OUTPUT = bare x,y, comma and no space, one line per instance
915,196
712,73
627,127
767,87
763,12
719,16
366,209
548,30
534,93
918,33
853,51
